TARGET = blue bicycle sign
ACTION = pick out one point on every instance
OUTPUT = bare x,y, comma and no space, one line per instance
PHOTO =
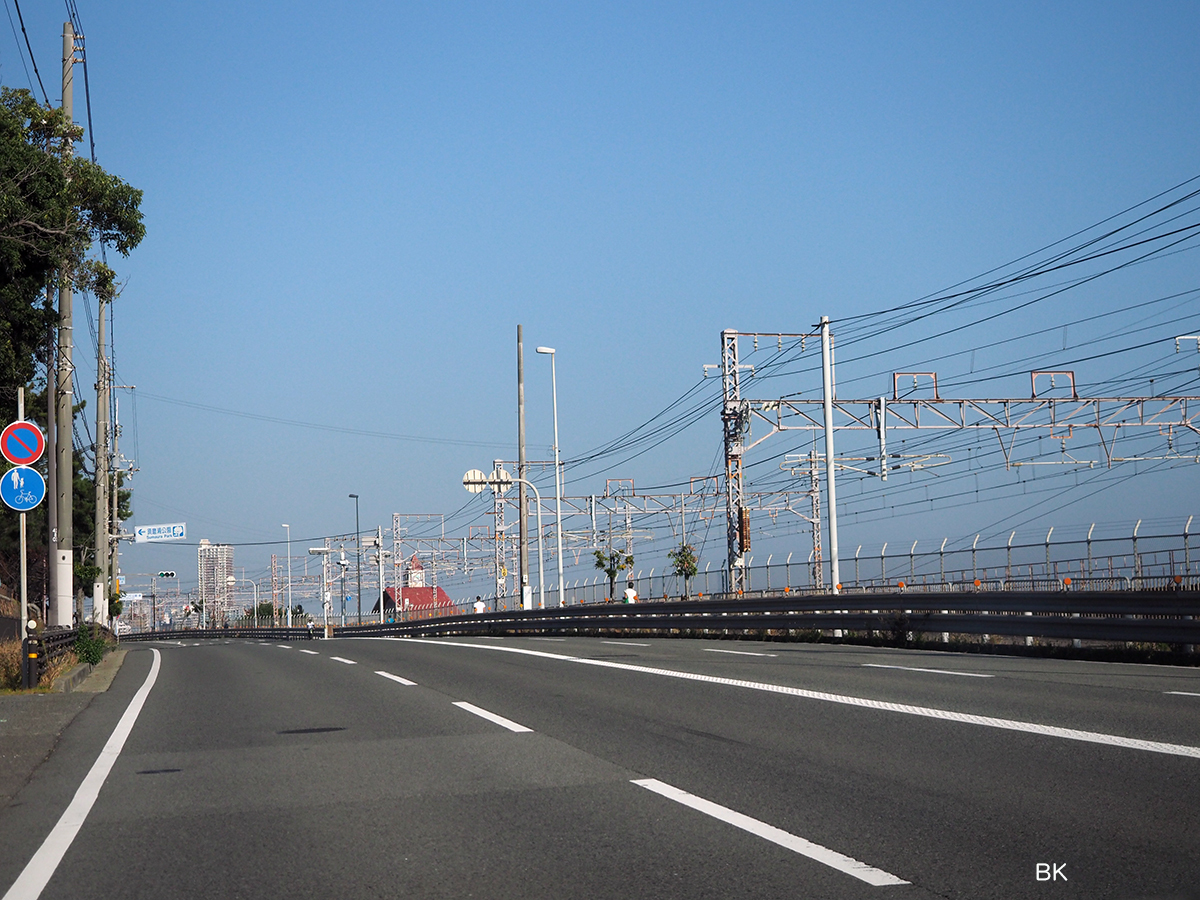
22,488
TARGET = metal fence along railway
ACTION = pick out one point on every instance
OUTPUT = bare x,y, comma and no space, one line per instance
1162,616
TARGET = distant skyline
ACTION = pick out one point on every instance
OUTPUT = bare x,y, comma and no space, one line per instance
350,209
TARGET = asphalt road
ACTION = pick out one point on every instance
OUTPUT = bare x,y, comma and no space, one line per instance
624,769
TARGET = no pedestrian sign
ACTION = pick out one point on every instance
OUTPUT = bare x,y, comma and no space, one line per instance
22,443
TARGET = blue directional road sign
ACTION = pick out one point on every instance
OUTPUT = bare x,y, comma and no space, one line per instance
22,488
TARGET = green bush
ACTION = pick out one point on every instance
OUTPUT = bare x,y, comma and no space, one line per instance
89,649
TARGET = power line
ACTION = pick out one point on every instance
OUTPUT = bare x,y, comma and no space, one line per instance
21,19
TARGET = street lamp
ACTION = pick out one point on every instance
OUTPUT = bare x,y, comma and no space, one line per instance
326,604
289,592
474,481
358,556
549,351
341,561
230,581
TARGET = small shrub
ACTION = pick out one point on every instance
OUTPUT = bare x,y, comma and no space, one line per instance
89,649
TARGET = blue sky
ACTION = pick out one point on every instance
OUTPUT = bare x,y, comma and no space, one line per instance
350,207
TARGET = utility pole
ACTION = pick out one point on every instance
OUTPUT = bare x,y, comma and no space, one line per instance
102,530
379,557
522,474
64,446
734,420
358,557
114,497
51,611
835,580
501,532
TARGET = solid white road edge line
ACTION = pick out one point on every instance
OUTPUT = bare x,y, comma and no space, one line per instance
934,671
492,717
1071,734
397,679
348,662
737,652
816,852
39,870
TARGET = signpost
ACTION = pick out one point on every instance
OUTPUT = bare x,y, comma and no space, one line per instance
176,531
22,443
22,489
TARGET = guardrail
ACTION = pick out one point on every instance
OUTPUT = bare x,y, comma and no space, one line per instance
1155,616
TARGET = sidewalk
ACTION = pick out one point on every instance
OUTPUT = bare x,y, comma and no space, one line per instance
30,724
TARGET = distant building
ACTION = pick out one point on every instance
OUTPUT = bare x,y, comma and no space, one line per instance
414,576
417,602
214,564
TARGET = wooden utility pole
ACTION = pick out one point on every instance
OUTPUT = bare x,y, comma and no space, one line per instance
64,445
100,591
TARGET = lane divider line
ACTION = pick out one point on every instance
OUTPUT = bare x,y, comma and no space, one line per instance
348,662
41,867
492,717
785,839
1071,734
736,652
309,652
625,644
283,646
547,639
397,679
1182,693
934,671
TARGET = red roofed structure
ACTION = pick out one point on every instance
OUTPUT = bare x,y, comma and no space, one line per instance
417,600
426,600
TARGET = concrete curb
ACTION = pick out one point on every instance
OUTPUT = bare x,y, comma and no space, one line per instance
64,684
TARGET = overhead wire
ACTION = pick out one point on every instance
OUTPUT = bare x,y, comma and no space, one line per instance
32,60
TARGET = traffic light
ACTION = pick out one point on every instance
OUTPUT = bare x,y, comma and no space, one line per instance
166,574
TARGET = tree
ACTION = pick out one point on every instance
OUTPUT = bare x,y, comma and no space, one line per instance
683,562
613,563
54,206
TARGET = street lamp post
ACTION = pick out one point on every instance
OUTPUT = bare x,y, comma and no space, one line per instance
289,590
343,565
326,603
230,581
474,482
549,351
358,556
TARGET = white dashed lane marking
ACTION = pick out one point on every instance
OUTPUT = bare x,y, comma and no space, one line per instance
823,855
348,662
933,671
737,652
492,717
397,679
945,715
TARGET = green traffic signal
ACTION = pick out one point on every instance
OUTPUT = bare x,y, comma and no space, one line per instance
166,574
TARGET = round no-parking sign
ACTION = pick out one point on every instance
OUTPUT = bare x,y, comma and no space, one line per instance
22,443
